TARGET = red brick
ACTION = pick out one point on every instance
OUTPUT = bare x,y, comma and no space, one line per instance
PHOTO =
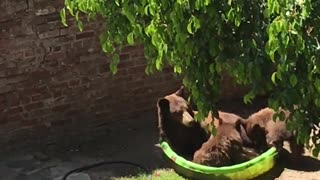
59,85
14,110
78,45
84,35
60,123
3,121
25,99
28,53
51,63
61,108
55,48
67,92
57,93
41,74
64,39
34,91
38,97
33,106
15,118
64,31
53,17
13,99
49,34
54,56
74,83
102,115
12,72
126,64
137,69
45,27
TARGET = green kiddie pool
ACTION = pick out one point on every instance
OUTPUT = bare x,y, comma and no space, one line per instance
246,170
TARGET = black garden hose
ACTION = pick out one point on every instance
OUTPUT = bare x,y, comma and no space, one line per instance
83,168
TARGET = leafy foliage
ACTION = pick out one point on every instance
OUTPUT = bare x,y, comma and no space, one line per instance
271,45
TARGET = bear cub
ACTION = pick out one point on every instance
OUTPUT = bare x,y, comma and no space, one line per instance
225,148
265,132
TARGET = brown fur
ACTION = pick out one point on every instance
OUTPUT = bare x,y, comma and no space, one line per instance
265,132
224,149
177,125
226,117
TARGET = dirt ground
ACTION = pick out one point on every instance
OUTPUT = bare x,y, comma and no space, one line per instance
132,140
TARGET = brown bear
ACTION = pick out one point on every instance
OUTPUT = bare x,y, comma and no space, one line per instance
226,148
177,125
265,132
210,121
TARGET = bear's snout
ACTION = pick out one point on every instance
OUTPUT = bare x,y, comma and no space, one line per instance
278,144
187,119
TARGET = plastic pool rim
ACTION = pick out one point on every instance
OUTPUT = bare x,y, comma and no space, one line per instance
266,157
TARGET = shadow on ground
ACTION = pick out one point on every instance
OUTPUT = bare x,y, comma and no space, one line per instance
307,164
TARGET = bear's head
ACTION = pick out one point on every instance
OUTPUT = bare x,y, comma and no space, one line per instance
276,133
177,125
176,108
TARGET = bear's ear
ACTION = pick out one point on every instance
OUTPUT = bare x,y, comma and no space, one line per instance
220,121
240,128
258,128
238,125
181,92
243,122
163,104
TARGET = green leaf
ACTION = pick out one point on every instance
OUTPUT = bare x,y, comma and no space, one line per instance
77,15
317,102
293,80
189,28
221,46
273,78
218,67
80,25
107,47
317,85
114,63
207,2
282,116
117,2
248,97
165,48
130,39
196,24
237,20
146,10
254,43
213,130
273,103
177,69
315,151
193,25
293,31
195,92
70,6
230,15
286,41
63,17
279,74
211,68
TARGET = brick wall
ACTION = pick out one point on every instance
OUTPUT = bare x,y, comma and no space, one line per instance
55,81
